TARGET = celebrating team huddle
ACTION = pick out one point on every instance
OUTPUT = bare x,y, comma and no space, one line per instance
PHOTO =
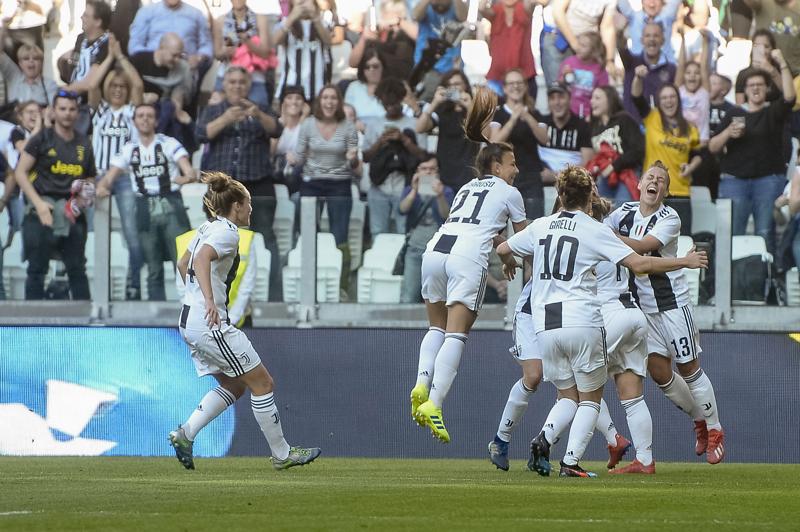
606,297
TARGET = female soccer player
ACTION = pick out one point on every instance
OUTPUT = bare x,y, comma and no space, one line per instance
455,261
218,348
648,226
566,311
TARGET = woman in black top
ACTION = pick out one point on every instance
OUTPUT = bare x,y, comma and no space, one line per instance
447,110
615,133
514,123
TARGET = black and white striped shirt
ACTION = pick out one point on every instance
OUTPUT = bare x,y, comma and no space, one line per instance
87,53
304,60
112,128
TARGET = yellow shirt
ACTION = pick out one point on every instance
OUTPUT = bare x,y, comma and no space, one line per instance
671,150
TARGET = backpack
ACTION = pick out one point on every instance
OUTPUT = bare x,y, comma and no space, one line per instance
750,279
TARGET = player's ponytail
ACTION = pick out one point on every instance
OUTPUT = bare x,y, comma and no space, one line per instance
600,207
575,186
223,192
478,118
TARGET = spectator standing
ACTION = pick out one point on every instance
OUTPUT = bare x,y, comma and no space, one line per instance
707,175
62,161
510,42
447,111
574,17
662,12
293,110
392,153
154,21
327,147
660,71
693,81
432,17
361,91
782,19
615,130
241,37
238,134
30,120
752,163
303,43
393,36
584,71
426,202
158,165
112,128
670,138
760,59
24,80
513,123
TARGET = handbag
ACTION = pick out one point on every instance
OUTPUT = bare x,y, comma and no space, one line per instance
400,261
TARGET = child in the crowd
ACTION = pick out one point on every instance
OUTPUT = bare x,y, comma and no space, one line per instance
693,81
584,71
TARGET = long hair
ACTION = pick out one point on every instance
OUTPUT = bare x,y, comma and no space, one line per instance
369,53
614,103
456,72
575,186
683,125
597,46
223,192
316,106
478,118
114,74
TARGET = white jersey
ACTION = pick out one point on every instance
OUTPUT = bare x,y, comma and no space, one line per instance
656,292
613,280
152,168
524,301
566,247
480,211
111,129
222,235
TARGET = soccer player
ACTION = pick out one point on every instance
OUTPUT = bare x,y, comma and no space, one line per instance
566,247
218,348
650,227
454,265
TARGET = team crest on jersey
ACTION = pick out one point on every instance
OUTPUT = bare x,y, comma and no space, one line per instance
638,232
81,151
51,152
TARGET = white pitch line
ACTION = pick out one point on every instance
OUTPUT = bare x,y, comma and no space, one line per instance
17,512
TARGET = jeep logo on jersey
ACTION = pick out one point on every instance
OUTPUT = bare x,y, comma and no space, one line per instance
111,391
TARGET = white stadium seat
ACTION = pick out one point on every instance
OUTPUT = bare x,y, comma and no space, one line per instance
550,196
793,287
193,200
284,219
685,243
14,269
743,246
263,263
376,284
329,268
704,212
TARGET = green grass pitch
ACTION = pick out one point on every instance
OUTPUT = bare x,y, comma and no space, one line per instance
380,494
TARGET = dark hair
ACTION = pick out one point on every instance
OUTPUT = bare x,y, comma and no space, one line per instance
763,32
316,107
425,157
152,106
101,11
754,73
390,91
614,103
478,118
66,95
453,73
600,207
683,125
529,103
293,89
575,186
223,191
369,53
21,106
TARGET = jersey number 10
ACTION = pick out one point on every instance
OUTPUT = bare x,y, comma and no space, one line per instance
460,200
560,245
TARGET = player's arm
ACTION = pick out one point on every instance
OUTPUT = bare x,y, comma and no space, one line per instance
645,265
646,245
202,271
183,265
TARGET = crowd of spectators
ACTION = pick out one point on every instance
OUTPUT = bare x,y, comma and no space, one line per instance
623,82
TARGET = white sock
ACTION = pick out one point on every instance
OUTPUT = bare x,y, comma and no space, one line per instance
641,426
446,367
213,404
605,425
581,431
428,348
515,408
704,398
678,392
558,419
266,414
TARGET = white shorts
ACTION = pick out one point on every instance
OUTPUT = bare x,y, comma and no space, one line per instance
672,334
452,279
525,345
227,350
626,338
574,356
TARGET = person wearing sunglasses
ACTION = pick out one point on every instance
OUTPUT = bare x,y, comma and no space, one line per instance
61,161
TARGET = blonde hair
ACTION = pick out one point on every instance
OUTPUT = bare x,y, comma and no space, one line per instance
114,74
223,192
30,49
575,186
